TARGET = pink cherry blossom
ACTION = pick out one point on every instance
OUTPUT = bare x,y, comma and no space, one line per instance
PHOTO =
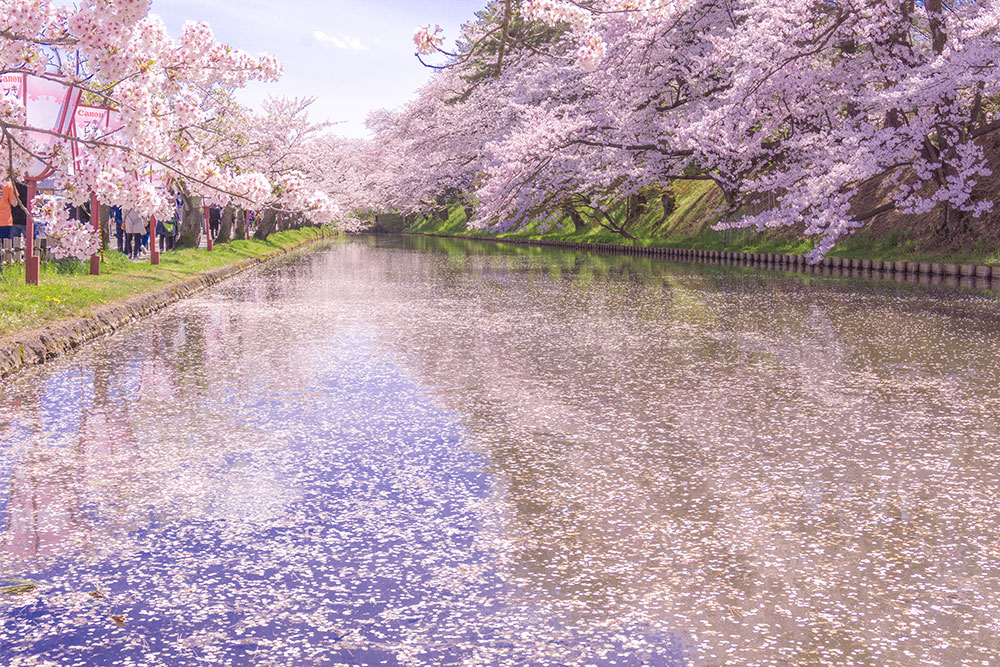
427,40
817,116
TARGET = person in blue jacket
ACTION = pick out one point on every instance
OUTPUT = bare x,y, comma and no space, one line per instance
118,224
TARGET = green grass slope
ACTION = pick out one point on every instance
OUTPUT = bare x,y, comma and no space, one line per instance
698,207
68,290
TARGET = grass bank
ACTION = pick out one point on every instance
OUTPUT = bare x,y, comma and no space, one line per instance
70,291
697,208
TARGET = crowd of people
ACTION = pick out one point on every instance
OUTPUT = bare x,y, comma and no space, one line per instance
131,229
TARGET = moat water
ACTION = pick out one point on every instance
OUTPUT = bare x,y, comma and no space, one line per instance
411,451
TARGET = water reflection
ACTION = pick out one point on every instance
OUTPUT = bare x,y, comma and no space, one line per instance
424,451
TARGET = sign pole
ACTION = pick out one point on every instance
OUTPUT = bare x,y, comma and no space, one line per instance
32,264
95,219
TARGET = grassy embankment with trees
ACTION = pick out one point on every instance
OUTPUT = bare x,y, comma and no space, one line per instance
685,220
67,289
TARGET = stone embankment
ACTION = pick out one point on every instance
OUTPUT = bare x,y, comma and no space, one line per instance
31,347
965,275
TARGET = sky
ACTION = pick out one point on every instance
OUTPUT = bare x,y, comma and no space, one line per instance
353,56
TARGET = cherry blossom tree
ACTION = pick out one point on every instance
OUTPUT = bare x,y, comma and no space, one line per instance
434,146
165,95
280,144
838,112
121,57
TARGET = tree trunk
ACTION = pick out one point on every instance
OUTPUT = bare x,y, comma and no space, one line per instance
226,225
894,118
268,220
579,225
605,220
954,224
635,206
669,202
938,36
467,207
105,218
192,221
241,225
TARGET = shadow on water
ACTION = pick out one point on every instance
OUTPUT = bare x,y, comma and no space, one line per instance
854,279
405,450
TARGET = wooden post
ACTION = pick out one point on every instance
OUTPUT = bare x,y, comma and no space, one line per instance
154,254
32,265
95,220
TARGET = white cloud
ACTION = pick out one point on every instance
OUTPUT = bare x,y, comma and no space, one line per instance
340,41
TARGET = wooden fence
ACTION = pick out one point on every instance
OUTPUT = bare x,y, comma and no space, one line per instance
12,250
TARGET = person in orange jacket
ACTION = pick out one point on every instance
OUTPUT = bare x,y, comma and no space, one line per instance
8,202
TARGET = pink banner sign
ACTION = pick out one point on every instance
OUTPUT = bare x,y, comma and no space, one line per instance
12,86
50,105
114,122
88,123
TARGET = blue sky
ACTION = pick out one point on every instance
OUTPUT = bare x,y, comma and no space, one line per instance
352,55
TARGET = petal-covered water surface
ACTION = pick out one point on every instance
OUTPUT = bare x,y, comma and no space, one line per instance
405,451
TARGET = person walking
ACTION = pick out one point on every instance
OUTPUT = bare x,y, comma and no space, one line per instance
178,214
8,202
166,230
19,213
115,218
214,221
135,227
